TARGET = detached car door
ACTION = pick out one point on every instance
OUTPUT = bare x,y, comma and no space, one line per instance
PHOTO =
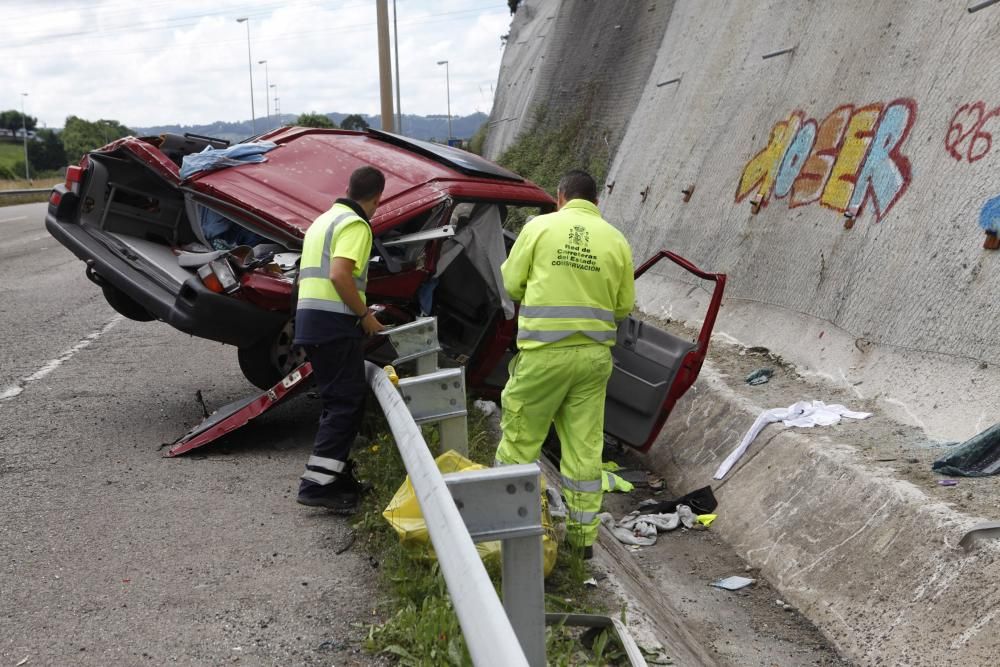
653,368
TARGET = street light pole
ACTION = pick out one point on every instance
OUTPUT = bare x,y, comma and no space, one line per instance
24,130
253,118
277,113
395,38
267,87
447,81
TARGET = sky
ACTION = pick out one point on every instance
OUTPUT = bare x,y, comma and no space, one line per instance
157,62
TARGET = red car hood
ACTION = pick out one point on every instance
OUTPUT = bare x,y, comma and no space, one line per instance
310,169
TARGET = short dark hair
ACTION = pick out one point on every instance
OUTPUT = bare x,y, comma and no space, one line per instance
578,184
366,182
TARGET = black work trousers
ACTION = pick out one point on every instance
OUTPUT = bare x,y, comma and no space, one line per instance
339,369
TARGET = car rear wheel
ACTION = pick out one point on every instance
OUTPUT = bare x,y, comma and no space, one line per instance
265,363
126,305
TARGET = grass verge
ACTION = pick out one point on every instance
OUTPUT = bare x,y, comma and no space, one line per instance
420,627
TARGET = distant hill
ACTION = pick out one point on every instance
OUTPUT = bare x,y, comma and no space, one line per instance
417,127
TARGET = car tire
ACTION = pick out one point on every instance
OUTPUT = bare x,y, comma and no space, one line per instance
126,305
274,357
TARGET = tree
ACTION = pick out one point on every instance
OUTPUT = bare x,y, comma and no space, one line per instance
354,122
11,120
46,152
82,136
315,120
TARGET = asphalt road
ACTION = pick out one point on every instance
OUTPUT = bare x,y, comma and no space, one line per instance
112,554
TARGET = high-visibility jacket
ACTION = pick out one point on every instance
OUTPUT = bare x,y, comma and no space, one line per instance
573,274
316,290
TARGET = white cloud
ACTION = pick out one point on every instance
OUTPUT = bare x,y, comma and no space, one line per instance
185,61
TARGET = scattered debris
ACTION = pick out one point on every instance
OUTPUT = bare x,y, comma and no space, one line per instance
733,583
759,376
488,408
24,661
347,545
979,456
804,414
947,482
591,582
701,501
642,529
981,531
706,519
656,484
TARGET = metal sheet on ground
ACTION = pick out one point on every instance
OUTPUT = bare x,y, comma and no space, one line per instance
239,413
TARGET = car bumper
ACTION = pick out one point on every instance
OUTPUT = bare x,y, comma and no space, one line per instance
194,309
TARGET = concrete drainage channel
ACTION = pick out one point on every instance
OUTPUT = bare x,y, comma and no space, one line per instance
846,522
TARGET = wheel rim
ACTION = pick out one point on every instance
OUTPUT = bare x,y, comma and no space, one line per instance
284,355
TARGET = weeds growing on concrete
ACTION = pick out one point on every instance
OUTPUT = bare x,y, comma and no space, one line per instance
554,146
420,626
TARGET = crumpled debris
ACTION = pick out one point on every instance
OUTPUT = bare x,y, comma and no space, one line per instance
733,583
706,519
702,501
979,456
488,408
759,376
642,529
804,414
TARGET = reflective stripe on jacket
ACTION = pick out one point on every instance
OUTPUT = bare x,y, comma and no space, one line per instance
316,290
573,274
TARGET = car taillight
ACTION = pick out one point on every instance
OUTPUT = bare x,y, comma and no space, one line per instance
74,175
55,198
218,276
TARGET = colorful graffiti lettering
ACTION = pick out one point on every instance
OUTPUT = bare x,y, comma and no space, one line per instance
847,162
966,137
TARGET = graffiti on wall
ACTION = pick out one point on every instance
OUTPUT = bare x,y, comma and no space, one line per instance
967,137
850,161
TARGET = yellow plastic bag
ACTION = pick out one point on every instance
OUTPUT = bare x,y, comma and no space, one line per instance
403,514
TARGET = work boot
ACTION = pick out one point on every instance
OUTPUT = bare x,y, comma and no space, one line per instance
341,496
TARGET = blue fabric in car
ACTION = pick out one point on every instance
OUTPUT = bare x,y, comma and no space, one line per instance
211,159
223,234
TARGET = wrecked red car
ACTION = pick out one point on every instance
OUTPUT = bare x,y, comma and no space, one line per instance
216,254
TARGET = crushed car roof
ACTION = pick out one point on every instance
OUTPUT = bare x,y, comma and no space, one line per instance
310,168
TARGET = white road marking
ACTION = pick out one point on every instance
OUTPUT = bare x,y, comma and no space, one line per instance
23,217
14,390
21,241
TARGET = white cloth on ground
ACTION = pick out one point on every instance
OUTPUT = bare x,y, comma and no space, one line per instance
642,529
804,414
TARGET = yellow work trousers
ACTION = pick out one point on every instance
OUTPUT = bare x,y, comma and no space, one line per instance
565,385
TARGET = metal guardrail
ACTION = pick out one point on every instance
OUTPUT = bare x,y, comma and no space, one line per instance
467,507
33,191
463,508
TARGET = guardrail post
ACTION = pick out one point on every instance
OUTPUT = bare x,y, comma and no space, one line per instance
505,504
434,396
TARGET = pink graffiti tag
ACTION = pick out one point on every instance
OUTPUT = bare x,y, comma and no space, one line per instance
966,136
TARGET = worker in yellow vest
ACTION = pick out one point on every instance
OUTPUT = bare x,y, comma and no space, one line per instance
331,320
573,274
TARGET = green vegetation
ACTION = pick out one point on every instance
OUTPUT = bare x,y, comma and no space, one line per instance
478,140
12,120
354,122
551,148
80,136
315,120
420,626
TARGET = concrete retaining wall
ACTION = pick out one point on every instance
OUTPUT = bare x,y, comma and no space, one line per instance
871,559
883,109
